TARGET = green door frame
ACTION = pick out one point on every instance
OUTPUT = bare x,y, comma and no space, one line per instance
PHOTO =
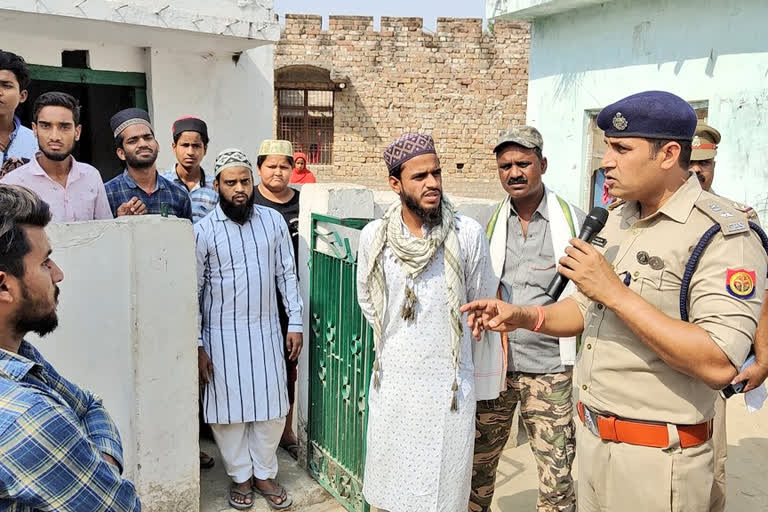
137,81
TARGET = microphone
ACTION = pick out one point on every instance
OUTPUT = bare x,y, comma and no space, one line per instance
593,224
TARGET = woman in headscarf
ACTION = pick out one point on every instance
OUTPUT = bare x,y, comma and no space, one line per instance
301,174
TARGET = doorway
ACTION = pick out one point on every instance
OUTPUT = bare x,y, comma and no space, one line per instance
101,95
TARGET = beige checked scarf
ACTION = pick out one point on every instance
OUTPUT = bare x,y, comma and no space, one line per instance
414,254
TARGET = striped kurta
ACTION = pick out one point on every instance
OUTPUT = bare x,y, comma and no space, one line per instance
239,270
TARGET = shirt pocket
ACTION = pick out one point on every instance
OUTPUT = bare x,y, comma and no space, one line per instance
540,276
542,267
655,289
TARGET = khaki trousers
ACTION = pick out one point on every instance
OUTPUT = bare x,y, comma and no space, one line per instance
720,442
627,478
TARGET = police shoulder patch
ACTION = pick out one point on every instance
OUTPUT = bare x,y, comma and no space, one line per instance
740,283
731,220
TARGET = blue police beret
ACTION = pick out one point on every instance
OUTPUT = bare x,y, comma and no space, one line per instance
649,115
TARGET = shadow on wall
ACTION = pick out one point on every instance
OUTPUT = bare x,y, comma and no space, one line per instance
626,33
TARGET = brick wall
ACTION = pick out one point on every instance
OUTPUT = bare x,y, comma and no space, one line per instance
460,84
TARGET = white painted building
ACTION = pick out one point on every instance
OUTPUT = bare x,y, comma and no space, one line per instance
586,54
211,59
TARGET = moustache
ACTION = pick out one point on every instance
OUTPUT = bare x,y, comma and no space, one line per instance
517,181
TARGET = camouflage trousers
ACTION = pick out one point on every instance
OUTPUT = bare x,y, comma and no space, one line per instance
547,412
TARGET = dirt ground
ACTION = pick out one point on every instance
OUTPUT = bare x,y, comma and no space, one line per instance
516,481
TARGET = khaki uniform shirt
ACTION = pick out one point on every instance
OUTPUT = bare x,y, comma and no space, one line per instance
616,372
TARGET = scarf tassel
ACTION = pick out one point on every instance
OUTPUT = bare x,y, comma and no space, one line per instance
376,374
408,310
455,400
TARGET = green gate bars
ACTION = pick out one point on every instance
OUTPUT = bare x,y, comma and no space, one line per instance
340,361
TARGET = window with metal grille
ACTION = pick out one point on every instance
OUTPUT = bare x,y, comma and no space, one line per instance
305,117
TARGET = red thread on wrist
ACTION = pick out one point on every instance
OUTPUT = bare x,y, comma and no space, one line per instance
541,318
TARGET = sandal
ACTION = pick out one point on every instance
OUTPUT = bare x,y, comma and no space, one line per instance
279,493
234,491
292,449
206,461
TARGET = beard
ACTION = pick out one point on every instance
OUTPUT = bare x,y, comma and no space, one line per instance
31,319
431,217
239,213
59,156
140,162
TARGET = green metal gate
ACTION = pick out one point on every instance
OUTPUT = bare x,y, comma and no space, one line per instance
340,361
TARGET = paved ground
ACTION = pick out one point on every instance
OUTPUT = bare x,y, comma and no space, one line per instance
307,495
517,480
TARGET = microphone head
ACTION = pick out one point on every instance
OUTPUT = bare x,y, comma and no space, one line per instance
596,219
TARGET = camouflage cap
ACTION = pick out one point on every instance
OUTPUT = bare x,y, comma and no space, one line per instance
276,147
705,142
523,135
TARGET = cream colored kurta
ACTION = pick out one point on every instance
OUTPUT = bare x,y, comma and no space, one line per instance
419,452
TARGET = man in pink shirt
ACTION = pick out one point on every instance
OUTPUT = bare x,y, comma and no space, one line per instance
73,190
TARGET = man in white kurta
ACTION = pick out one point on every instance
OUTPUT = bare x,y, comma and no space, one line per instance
421,423
244,252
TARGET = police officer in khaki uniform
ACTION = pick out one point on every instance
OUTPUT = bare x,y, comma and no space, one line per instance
705,143
647,380
704,149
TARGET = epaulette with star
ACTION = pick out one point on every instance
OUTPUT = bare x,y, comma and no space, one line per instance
731,220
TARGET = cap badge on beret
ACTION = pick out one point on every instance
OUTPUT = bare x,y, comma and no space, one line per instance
620,122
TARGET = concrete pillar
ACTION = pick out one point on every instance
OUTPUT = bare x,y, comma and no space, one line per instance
127,332
336,200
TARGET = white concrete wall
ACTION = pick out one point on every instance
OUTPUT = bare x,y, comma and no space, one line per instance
251,10
128,332
703,50
47,51
235,100
151,22
527,9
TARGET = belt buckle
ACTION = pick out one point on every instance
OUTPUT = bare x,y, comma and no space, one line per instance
590,421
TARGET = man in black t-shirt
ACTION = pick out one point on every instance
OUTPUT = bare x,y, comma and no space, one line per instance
274,192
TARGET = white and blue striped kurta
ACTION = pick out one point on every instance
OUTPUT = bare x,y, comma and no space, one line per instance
239,269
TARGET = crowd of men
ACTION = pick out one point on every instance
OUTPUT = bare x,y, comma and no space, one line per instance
465,331
246,238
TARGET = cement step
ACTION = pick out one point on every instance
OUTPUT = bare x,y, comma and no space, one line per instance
307,494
